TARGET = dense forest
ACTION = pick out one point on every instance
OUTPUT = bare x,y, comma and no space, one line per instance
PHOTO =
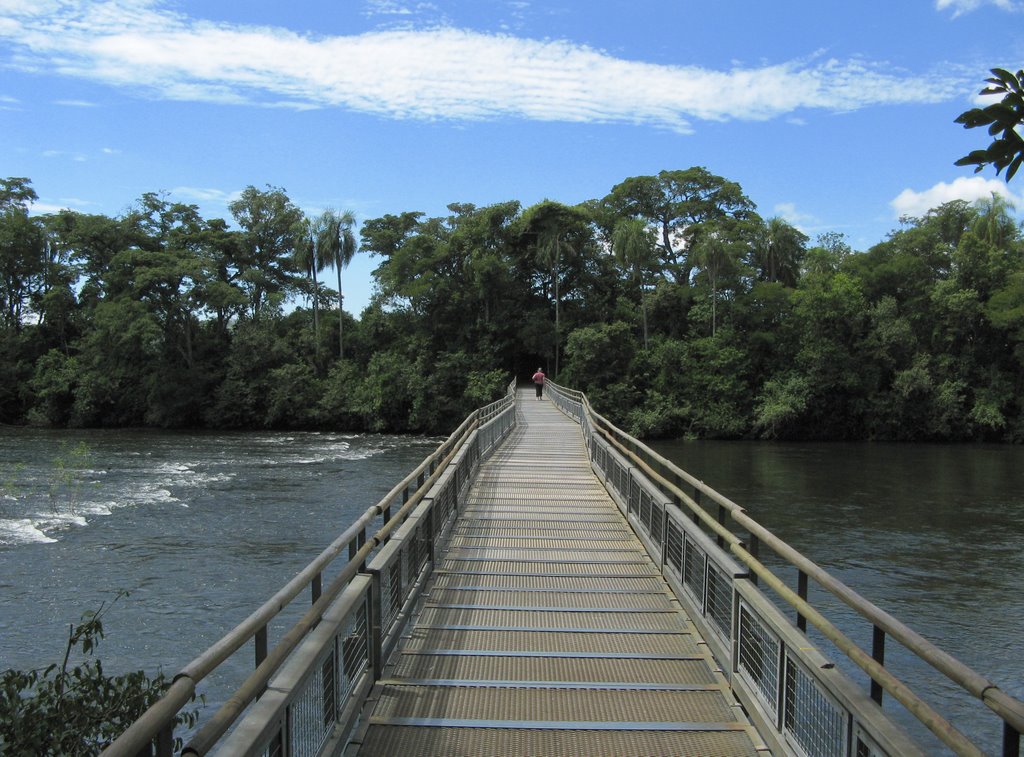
670,301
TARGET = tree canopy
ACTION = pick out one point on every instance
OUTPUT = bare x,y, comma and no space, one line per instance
670,301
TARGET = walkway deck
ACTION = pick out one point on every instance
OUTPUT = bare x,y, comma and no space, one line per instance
548,630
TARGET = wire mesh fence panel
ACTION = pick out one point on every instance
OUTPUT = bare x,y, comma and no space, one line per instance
313,713
355,649
693,575
674,548
719,600
758,657
633,499
811,718
657,521
645,510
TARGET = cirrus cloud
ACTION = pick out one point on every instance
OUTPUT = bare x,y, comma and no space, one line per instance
960,7
435,74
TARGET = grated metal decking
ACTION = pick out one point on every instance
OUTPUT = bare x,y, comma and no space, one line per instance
547,630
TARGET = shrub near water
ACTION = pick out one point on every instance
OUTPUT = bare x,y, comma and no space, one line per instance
80,710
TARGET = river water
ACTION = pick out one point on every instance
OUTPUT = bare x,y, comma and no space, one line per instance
932,534
200,529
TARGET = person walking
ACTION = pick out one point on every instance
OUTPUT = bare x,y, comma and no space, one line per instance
538,381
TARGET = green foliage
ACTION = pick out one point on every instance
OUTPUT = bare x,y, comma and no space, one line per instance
669,301
484,387
781,405
658,418
54,384
599,355
75,708
1003,118
386,397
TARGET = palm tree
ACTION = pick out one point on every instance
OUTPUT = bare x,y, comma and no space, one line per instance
550,253
716,255
994,222
633,244
556,233
337,246
308,260
779,251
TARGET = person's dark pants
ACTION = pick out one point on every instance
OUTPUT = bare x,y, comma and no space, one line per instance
540,390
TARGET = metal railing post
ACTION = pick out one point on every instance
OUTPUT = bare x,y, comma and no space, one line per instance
878,653
801,590
1011,741
260,642
755,551
165,741
375,641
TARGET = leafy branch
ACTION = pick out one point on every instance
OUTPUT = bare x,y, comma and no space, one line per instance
1003,119
63,710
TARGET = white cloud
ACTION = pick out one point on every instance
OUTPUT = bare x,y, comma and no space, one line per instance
75,156
789,213
75,103
43,207
917,204
960,7
392,8
205,196
437,74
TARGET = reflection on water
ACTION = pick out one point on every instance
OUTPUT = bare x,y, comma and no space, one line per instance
932,534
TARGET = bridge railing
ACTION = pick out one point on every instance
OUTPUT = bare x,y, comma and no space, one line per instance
311,686
793,693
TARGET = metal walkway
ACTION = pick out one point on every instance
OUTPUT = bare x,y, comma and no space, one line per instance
548,633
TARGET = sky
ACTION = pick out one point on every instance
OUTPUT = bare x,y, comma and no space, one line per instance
837,116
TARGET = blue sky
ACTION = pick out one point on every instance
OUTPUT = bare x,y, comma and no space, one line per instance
837,116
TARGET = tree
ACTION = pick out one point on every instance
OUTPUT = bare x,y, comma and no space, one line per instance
271,226
779,251
307,258
549,251
21,251
1003,118
994,222
166,268
389,237
633,246
717,255
556,233
679,204
337,246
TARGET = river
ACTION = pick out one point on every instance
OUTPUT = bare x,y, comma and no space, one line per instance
199,529
202,528
933,534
